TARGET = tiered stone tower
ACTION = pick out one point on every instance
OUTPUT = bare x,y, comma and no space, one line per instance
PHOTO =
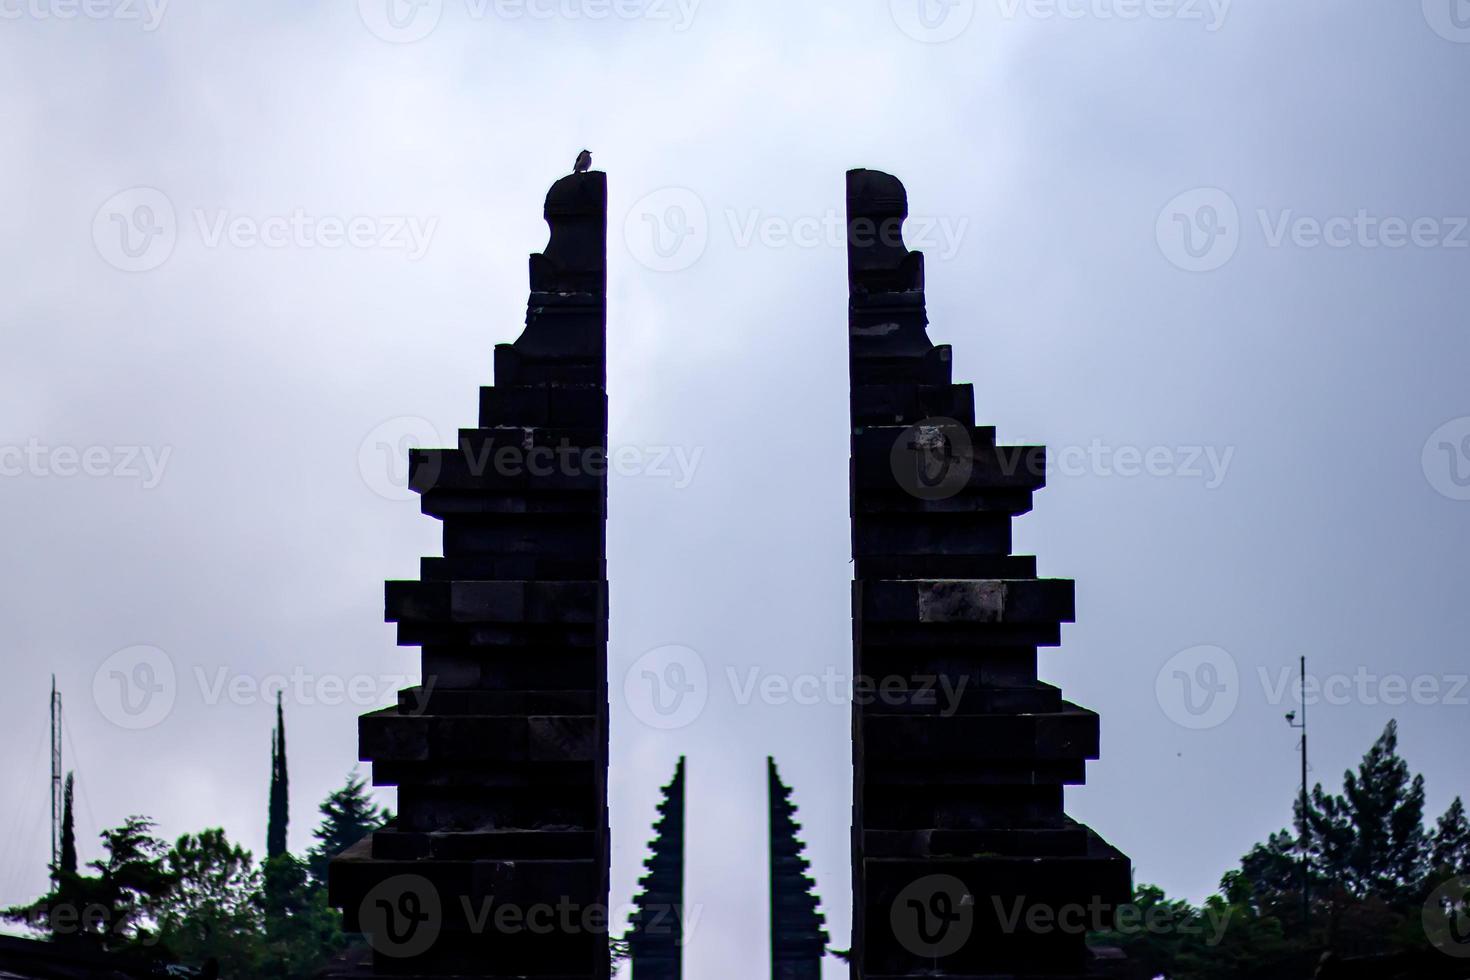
957,810
656,928
497,864
798,939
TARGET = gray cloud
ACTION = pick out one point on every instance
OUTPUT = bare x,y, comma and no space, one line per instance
1055,141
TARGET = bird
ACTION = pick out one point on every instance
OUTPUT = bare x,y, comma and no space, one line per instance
584,162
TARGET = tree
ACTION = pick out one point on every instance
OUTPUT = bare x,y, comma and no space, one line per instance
1372,866
114,909
68,830
130,883
214,911
348,815
1450,845
301,930
1272,874
280,802
1386,808
1155,950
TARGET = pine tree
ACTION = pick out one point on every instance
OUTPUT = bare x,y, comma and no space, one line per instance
68,830
348,815
1450,846
1386,808
280,804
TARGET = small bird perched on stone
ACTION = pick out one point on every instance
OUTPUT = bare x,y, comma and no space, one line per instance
584,162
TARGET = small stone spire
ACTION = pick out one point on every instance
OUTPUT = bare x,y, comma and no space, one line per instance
798,939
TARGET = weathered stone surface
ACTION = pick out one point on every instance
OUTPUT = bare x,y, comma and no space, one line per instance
960,844
497,863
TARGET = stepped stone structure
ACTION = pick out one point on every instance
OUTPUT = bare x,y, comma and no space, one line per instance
798,939
656,928
960,753
497,863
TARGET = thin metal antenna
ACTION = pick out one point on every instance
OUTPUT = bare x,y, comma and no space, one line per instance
1306,822
56,807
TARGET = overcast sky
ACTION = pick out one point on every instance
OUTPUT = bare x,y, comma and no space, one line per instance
1214,255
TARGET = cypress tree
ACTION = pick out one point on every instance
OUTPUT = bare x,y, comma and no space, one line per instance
275,836
68,830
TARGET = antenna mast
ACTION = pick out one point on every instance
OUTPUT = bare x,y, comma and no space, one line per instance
1306,862
55,777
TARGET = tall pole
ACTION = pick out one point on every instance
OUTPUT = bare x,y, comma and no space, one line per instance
1306,823
1306,820
56,806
